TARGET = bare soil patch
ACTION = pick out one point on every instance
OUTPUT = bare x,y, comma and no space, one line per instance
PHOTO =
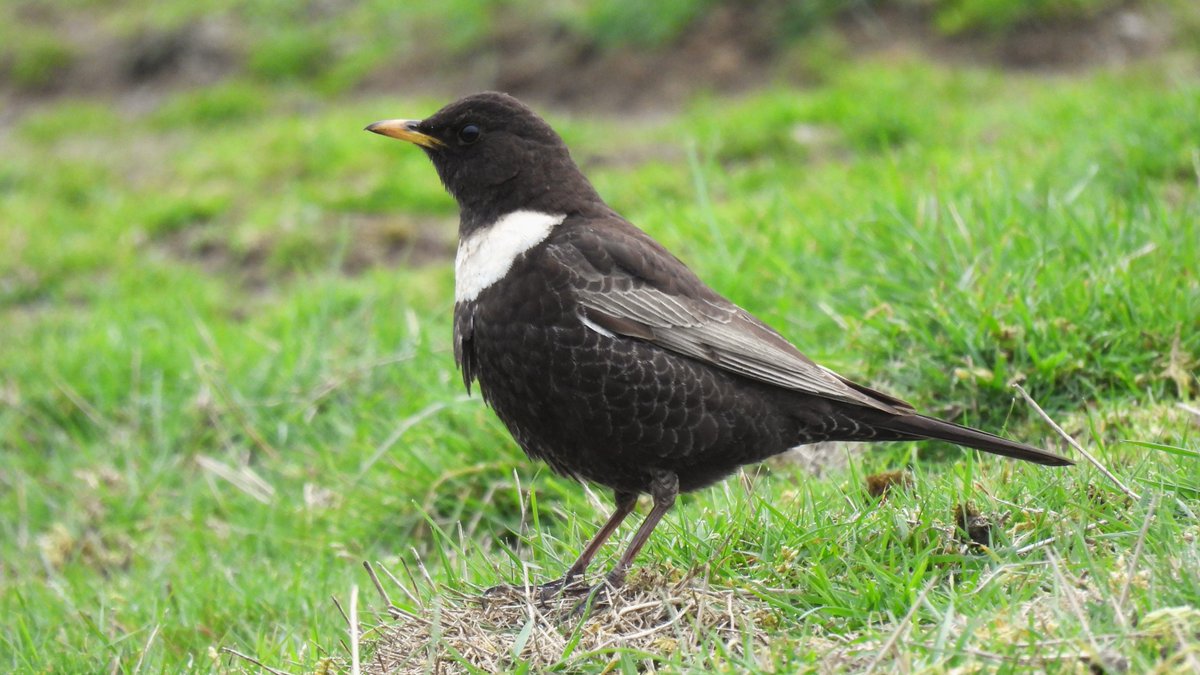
366,241
393,240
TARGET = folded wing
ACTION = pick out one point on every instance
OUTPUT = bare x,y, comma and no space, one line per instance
629,285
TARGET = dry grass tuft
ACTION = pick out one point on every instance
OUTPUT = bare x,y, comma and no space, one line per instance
651,615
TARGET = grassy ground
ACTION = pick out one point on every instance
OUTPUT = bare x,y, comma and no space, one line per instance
225,378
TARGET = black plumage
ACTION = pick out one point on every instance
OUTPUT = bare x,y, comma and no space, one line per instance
602,353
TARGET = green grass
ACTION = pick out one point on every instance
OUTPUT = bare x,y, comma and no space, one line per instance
958,16
209,417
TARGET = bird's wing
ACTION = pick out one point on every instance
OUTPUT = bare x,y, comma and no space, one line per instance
627,284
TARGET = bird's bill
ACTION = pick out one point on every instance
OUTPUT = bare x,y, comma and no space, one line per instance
405,130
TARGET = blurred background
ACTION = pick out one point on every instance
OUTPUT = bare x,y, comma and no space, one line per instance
611,55
225,373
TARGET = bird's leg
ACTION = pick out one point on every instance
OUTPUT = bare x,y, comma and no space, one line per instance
625,501
664,488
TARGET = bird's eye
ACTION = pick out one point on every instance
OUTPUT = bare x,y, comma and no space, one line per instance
469,133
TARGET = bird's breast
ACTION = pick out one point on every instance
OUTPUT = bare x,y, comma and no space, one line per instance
486,255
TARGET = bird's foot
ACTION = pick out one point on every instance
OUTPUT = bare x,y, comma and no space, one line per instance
543,594
598,596
568,585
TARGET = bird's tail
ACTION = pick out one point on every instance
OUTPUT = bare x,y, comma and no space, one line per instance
920,426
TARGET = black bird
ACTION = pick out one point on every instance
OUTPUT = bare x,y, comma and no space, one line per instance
603,354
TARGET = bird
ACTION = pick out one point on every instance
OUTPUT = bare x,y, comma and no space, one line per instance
603,354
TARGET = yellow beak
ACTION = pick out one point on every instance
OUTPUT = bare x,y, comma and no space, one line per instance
405,130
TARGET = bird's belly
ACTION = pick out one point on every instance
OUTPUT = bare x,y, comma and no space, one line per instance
611,409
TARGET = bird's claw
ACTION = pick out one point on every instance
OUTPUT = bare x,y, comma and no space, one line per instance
571,585
543,594
597,596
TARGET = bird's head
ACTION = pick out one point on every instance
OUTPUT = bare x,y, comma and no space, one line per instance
495,156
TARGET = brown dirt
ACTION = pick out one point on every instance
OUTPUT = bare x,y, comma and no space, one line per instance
972,526
193,55
390,240
726,50
880,484
373,241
